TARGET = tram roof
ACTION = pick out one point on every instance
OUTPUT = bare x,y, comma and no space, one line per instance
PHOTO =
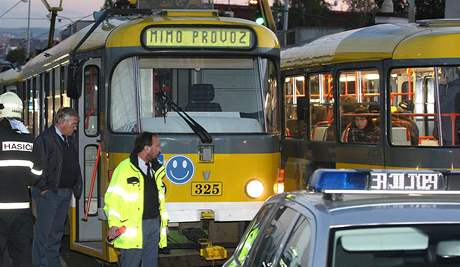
60,52
10,76
128,32
428,39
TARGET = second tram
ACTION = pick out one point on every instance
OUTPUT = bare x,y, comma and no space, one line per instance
402,82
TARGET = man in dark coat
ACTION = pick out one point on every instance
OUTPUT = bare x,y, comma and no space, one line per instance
61,178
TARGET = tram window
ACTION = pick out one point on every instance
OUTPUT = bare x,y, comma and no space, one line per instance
425,106
25,110
321,94
30,104
91,82
270,93
205,88
48,101
359,104
60,93
36,105
294,90
89,163
64,98
53,93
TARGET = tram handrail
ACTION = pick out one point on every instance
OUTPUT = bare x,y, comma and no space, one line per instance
91,187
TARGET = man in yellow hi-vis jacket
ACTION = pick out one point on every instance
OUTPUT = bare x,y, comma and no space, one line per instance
135,200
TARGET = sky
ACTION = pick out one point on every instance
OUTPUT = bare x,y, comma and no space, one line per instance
17,17
73,10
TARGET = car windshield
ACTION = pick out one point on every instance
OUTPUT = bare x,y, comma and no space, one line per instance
224,95
397,246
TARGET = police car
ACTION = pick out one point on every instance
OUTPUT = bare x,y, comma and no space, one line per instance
358,218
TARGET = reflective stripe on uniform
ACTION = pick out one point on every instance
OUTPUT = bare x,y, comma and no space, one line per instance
36,172
16,163
114,213
164,231
118,190
160,172
14,205
20,163
130,232
164,216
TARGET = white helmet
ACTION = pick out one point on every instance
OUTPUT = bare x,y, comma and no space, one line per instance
12,105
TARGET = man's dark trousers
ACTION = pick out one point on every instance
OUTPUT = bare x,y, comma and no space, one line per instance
16,236
148,255
52,208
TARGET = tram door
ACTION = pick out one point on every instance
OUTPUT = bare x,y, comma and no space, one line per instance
89,231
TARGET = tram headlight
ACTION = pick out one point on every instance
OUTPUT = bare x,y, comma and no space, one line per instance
254,188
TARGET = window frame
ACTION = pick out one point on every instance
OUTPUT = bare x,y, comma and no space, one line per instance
288,228
361,66
411,63
334,98
96,98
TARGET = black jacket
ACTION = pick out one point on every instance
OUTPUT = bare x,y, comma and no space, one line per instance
16,164
48,148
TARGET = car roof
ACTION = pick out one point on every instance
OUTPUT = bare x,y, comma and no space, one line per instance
377,209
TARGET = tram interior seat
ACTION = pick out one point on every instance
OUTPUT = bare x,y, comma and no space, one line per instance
400,136
200,96
319,133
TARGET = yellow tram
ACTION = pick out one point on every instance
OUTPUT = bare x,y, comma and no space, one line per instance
209,85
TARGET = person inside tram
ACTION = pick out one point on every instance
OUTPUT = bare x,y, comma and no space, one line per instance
362,130
347,106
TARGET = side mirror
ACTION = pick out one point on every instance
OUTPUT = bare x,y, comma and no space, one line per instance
302,108
74,80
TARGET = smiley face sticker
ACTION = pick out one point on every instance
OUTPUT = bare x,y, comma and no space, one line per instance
179,169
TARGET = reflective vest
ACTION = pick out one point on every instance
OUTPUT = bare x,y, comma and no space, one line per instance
124,204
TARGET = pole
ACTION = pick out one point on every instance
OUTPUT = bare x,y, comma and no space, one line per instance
28,31
412,9
285,22
52,26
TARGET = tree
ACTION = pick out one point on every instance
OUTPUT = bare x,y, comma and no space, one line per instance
307,12
365,10
365,6
429,9
16,56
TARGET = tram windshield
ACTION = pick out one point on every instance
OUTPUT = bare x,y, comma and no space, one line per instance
425,106
224,95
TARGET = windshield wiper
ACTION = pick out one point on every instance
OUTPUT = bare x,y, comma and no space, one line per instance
204,136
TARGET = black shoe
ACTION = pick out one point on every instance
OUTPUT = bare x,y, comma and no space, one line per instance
164,251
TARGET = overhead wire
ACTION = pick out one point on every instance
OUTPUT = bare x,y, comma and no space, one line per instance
11,8
61,27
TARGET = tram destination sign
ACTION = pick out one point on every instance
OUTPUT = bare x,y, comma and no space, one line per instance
187,37
406,180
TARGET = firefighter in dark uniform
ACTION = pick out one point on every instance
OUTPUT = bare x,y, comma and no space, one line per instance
17,173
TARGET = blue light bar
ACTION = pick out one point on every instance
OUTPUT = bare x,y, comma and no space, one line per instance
330,179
